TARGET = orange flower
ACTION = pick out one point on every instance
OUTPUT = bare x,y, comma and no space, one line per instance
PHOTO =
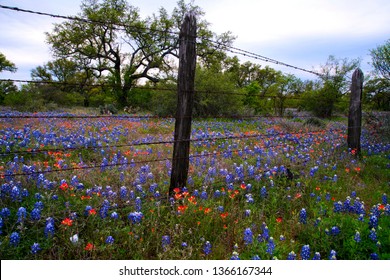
89,247
357,169
347,170
224,215
182,208
207,210
381,207
243,186
92,212
279,219
318,188
176,190
298,195
68,222
64,186
85,197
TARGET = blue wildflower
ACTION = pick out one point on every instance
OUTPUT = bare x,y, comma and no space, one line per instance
5,212
138,204
135,217
247,213
109,240
373,222
357,237
165,242
374,256
35,248
204,195
114,215
235,256
54,197
184,244
14,239
305,252
335,231
263,192
123,192
317,256
248,236
207,248
1,225
337,207
21,214
256,257
384,199
49,228
291,256
332,255
373,235
282,238
270,246
35,214
303,216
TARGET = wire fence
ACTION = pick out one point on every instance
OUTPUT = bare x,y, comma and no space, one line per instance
173,34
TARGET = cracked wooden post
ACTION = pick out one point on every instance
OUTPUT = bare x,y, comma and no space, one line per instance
185,100
355,112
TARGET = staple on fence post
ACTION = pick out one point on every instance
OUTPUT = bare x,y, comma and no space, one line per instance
355,112
185,92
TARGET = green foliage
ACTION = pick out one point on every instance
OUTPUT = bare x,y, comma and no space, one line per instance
381,60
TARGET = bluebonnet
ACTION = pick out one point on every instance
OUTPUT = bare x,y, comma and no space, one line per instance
374,256
332,255
86,210
203,195
207,248
217,194
220,208
114,215
54,197
138,204
305,252
373,222
248,236
5,212
49,227
357,237
317,256
22,212
123,192
165,242
35,214
249,198
291,255
270,246
337,207
14,239
39,205
317,222
38,196
247,213
303,216
255,257
15,193
135,217
235,256
263,192
184,244
335,230
384,199
373,235
109,240
1,225
35,248
282,238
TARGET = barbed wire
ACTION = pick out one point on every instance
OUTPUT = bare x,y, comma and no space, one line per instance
205,139
110,165
226,47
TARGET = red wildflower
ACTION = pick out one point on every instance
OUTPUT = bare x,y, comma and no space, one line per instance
68,222
182,208
207,210
224,215
64,186
92,212
279,219
176,190
298,195
89,247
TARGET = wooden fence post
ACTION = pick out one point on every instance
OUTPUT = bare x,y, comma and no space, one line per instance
355,112
185,100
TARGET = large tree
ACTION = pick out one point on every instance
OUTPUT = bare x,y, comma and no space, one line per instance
116,43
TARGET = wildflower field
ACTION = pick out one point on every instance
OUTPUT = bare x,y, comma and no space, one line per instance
75,187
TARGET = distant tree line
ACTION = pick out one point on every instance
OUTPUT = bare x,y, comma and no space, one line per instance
135,61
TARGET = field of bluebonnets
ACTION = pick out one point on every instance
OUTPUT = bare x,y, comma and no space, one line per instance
96,188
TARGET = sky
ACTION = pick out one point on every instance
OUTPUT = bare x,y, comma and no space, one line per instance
302,33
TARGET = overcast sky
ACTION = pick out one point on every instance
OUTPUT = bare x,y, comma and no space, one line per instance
298,32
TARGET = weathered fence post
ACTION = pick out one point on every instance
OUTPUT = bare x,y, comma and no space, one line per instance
185,100
355,112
